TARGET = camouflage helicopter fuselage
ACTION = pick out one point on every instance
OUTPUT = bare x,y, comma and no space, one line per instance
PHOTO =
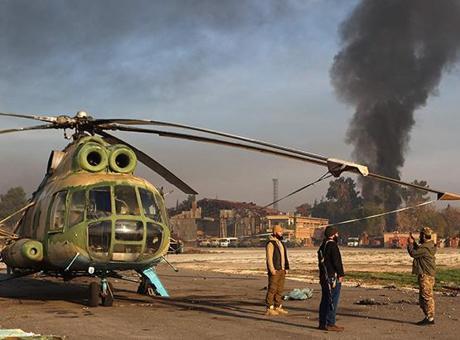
91,214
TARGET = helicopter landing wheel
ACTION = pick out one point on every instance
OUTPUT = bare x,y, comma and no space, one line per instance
107,299
93,294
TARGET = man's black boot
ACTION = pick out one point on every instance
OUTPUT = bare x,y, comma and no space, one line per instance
426,322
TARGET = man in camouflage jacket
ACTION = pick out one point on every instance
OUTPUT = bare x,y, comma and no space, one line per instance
424,267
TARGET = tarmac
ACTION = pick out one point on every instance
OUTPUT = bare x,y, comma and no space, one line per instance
210,305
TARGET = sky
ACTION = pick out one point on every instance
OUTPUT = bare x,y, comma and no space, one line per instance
254,68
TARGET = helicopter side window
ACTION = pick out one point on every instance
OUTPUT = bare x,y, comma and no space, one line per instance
77,208
126,201
99,203
149,205
154,238
58,211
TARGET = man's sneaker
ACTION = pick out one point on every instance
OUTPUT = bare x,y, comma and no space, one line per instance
331,328
426,322
281,310
271,311
335,328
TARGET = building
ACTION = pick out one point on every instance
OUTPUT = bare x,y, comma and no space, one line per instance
220,218
399,240
308,230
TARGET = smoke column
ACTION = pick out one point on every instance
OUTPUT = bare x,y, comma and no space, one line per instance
392,58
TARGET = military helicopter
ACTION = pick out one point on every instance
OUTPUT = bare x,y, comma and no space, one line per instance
91,216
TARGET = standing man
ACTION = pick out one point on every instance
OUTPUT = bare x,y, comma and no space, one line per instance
330,277
277,266
424,267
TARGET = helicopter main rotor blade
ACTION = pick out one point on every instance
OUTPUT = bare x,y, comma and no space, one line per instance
335,166
185,136
151,163
37,127
212,132
35,117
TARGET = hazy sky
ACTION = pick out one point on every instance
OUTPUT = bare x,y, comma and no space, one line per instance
254,68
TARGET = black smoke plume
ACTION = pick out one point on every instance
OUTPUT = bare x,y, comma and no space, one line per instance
392,58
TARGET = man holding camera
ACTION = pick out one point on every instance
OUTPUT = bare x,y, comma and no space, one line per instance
424,267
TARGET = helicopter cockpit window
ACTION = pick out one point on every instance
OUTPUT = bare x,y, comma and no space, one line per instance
58,211
126,201
77,208
99,236
154,238
149,205
99,203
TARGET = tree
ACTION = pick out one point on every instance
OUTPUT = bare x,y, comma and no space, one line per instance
182,206
12,201
304,209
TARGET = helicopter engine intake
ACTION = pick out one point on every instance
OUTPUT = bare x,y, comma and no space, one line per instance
122,159
92,157
23,253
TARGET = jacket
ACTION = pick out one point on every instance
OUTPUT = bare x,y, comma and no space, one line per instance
332,259
276,255
424,258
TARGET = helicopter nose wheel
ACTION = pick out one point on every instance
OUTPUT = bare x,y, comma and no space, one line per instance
100,293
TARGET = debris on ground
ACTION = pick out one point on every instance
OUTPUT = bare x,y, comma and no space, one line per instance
20,334
450,291
390,287
299,294
370,302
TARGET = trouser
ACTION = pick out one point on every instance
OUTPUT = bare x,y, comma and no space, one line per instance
426,296
329,303
275,288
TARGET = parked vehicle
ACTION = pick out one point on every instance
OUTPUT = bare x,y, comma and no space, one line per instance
353,242
215,242
224,243
234,242
204,243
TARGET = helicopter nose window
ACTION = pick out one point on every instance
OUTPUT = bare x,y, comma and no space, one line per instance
149,205
99,203
99,235
126,201
129,230
154,238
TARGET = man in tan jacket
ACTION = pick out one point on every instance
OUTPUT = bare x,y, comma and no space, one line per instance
277,266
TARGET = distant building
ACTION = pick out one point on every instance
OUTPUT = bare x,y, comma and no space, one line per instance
306,229
184,226
399,240
220,218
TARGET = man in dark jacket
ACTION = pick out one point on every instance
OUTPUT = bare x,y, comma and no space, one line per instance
424,266
277,266
330,277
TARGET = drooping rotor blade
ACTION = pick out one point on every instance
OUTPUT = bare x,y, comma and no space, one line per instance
185,136
335,166
212,132
442,195
37,127
151,163
35,117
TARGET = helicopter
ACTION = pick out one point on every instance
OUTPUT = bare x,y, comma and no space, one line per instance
91,216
